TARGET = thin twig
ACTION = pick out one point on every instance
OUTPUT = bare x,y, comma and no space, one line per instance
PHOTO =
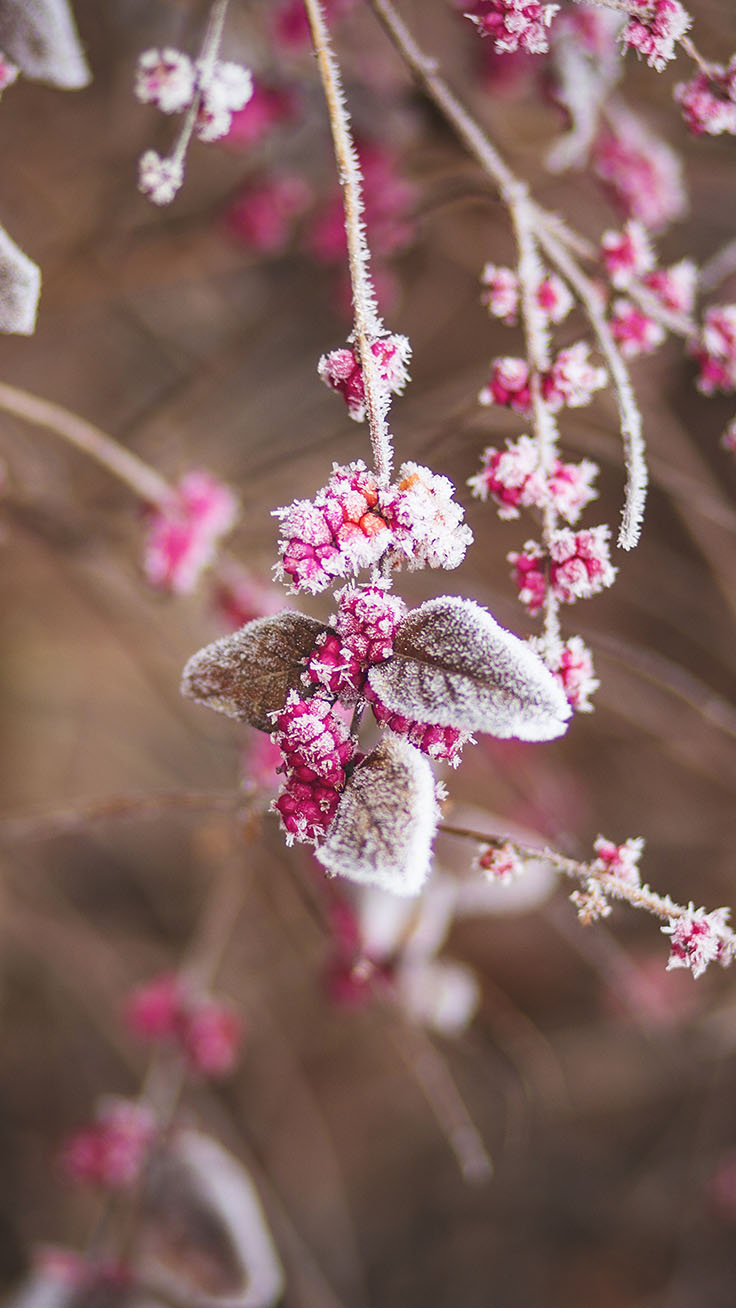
127,467
206,64
637,896
44,826
367,323
628,409
557,241
544,425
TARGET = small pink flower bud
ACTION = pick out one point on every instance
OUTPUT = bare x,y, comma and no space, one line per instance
211,1037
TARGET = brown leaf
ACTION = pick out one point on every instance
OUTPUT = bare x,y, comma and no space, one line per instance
385,822
248,676
454,666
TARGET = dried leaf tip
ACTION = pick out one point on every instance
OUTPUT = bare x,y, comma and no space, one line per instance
386,820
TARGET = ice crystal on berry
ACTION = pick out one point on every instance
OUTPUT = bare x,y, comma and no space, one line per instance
572,664
223,91
427,523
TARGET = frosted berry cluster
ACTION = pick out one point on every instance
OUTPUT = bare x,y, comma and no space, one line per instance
629,261
339,532
316,746
572,380
576,566
655,31
184,533
363,634
697,939
352,522
501,295
174,83
714,348
708,100
513,24
341,371
170,80
619,860
571,663
501,863
640,171
205,1031
514,479
443,744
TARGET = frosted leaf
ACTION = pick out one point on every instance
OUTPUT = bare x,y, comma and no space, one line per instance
454,666
41,37
20,287
385,822
204,1213
249,674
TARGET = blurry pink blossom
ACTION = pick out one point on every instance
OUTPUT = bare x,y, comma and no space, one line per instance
643,174
112,1151
184,535
263,215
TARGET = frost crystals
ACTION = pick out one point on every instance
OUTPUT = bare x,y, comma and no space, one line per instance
454,666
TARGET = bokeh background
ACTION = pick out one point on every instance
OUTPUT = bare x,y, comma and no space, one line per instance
602,1087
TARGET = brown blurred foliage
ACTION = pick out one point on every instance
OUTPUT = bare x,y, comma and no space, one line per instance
605,1116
